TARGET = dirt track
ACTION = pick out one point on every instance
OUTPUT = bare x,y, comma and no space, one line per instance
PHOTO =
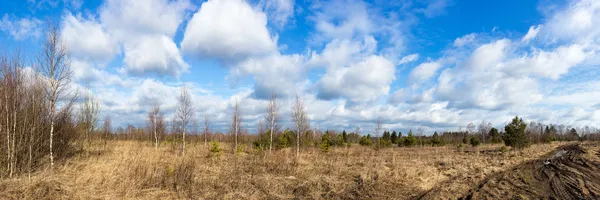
567,173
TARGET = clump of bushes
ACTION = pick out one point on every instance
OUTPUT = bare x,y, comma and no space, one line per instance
475,141
365,140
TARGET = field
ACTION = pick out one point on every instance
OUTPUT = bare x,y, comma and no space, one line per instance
136,170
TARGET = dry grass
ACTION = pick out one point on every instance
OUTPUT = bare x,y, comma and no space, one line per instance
135,170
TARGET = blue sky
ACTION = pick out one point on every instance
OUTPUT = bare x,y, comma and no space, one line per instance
432,65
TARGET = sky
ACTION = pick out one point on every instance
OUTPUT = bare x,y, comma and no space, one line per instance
432,65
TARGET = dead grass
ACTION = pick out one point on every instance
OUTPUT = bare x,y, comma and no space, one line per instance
135,170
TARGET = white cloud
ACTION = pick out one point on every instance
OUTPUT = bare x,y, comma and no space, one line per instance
532,33
87,39
464,40
230,30
409,58
280,74
128,18
153,54
551,64
360,82
339,53
145,30
424,71
22,28
279,11
434,8
576,22
331,22
485,81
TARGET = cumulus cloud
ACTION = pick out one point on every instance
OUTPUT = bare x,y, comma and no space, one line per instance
146,30
280,74
21,28
424,71
230,30
157,54
359,82
87,39
129,18
575,22
279,11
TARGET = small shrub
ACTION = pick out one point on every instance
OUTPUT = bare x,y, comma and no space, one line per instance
240,148
325,143
215,148
504,149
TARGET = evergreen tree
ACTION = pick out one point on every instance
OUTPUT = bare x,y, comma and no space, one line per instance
325,142
410,139
515,134
344,136
394,137
495,135
386,140
573,135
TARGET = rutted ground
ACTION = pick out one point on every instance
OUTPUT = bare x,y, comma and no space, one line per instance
565,174
135,170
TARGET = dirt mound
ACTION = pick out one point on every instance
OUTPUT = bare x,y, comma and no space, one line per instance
565,174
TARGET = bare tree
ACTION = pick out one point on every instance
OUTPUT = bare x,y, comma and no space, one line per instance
484,129
55,65
301,122
272,118
206,129
235,124
106,129
184,113
379,127
153,118
88,115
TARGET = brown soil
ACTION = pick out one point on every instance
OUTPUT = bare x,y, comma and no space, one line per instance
565,174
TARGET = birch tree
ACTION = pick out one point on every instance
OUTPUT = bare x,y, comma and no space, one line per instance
379,127
235,124
206,129
153,118
55,65
272,119
301,122
184,113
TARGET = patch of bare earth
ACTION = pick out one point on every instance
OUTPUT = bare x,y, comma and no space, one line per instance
566,173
